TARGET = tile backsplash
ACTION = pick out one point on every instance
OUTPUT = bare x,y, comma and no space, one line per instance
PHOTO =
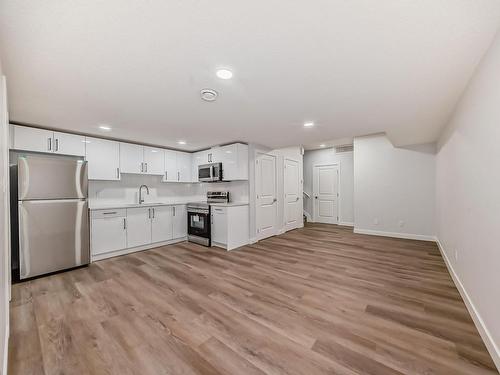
127,190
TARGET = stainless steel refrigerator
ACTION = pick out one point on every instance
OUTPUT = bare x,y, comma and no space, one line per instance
50,217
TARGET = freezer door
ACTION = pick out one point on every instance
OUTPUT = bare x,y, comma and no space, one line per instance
53,235
51,177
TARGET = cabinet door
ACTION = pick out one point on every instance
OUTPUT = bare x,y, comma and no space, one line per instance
219,225
138,226
214,155
32,139
184,166
69,144
108,235
103,159
154,161
228,156
180,221
162,223
170,166
131,158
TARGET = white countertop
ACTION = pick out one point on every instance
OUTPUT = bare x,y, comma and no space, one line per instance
229,204
108,206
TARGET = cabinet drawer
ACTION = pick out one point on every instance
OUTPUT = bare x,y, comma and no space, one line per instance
103,214
219,210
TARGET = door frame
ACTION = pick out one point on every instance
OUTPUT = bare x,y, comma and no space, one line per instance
339,193
258,235
300,195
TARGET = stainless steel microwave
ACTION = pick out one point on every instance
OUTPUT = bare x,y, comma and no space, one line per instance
210,172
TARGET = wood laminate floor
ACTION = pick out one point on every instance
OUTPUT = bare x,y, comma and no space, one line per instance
318,300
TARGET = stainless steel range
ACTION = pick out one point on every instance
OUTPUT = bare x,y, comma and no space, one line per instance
199,219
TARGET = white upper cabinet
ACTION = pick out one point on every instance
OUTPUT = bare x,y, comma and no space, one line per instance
154,161
141,159
178,166
234,159
131,158
103,159
170,166
184,166
69,144
32,139
41,140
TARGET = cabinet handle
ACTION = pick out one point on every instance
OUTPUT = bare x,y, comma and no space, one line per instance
146,167
49,144
118,172
174,211
149,213
109,213
142,167
153,213
57,144
178,176
166,175
124,223
211,219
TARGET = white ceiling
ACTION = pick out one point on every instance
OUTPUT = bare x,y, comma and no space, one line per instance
353,67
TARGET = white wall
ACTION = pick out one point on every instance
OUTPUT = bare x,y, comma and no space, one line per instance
346,188
394,188
4,228
127,190
468,197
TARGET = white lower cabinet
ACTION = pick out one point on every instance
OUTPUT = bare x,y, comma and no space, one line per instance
179,220
230,226
132,229
109,231
162,227
138,226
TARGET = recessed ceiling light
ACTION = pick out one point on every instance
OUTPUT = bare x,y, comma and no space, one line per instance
322,145
106,128
308,124
224,74
181,142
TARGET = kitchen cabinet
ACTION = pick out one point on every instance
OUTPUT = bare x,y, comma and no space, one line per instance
177,166
69,144
41,140
230,226
234,159
138,226
103,159
162,224
141,159
154,160
179,221
108,231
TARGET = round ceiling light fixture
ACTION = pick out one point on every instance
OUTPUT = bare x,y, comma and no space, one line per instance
322,145
181,142
224,74
106,128
208,95
309,124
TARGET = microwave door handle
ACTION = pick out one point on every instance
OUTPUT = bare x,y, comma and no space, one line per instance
211,172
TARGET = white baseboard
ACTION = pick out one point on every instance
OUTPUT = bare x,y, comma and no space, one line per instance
346,223
117,253
407,236
476,317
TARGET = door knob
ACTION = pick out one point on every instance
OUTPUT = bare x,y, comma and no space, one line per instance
274,200
316,197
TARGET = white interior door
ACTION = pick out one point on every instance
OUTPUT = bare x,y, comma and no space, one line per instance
292,192
325,191
267,207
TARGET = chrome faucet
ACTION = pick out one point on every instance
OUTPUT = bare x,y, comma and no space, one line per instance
141,199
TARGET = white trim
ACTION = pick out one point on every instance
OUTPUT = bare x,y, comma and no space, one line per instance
346,223
308,216
476,317
408,236
116,253
6,348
